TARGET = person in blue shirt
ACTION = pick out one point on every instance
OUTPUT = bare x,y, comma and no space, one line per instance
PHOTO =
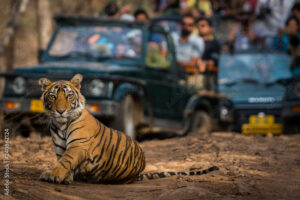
244,35
289,35
141,15
288,39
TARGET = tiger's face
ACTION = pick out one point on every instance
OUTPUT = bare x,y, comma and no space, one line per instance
62,99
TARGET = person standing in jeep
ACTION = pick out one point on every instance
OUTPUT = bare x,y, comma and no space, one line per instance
212,51
189,49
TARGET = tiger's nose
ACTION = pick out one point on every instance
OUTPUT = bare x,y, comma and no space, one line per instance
60,111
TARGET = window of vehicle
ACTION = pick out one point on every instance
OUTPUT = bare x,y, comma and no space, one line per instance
97,42
253,68
157,55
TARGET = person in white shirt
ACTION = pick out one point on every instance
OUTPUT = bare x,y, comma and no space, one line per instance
189,50
112,10
274,13
189,47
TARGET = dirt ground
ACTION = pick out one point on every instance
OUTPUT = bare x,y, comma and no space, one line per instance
251,167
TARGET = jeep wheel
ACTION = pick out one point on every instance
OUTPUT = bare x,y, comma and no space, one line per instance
291,127
202,122
125,120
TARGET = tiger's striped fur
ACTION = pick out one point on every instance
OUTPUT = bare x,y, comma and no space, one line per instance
85,148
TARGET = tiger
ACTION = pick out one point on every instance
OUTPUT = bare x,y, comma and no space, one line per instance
85,148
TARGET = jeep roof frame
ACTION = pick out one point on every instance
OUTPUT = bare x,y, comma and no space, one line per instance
75,19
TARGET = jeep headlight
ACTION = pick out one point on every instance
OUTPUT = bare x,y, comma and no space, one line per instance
19,85
96,87
226,112
297,89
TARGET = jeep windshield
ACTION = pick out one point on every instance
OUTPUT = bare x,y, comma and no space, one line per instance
96,43
253,68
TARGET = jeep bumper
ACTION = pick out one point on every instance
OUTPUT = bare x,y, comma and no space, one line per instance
291,110
104,108
258,118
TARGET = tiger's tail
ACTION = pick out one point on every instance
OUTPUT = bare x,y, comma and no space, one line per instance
155,175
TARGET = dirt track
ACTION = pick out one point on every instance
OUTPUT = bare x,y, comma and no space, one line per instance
250,168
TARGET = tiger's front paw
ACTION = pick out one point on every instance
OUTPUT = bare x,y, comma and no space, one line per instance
56,175
69,179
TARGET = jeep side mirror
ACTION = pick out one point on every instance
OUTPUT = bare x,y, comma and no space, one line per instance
40,54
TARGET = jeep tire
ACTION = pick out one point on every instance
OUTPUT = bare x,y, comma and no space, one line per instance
125,120
291,127
202,122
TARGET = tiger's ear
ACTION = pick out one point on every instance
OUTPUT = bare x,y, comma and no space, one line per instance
44,83
76,80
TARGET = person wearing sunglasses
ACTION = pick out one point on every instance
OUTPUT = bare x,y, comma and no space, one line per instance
189,49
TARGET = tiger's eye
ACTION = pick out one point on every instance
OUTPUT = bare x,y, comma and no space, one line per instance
70,96
52,97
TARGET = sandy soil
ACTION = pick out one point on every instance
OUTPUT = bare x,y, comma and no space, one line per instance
252,167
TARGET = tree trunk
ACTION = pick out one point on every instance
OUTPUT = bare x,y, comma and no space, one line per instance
7,42
44,25
19,8
10,54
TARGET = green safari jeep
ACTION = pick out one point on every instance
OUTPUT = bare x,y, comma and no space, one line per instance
131,80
